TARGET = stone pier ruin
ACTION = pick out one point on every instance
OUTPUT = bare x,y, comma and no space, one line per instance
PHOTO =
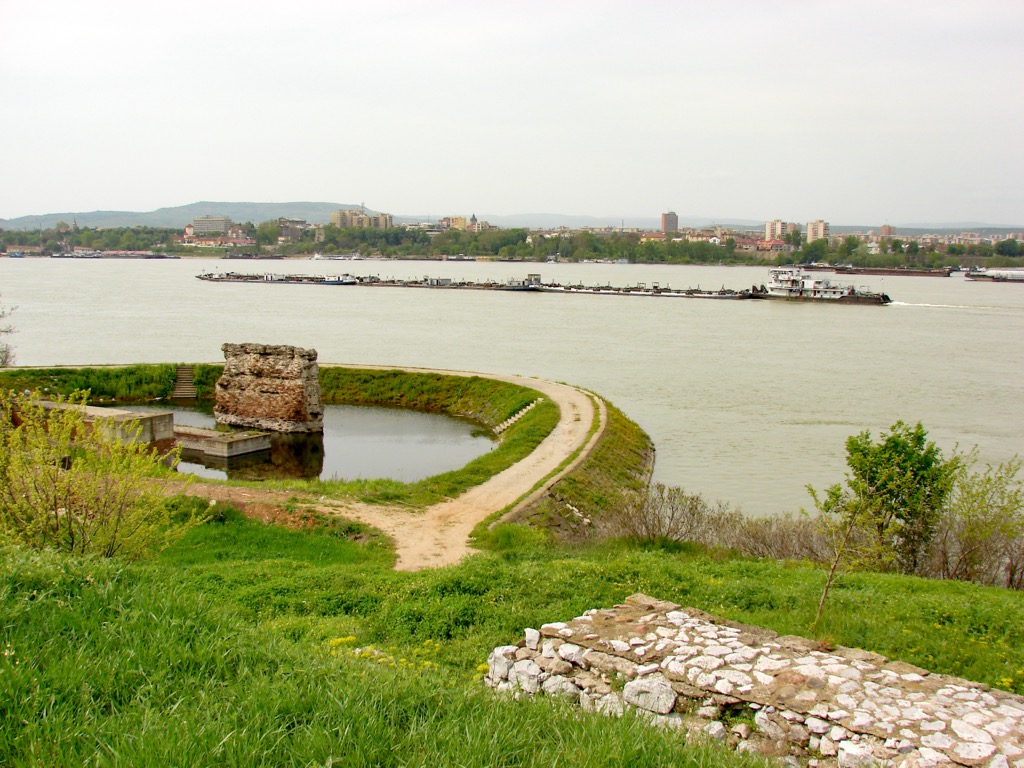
268,387
782,696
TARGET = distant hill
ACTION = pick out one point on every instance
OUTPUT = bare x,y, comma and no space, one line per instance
320,213
179,216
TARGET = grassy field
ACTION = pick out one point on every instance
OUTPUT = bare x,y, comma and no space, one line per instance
251,645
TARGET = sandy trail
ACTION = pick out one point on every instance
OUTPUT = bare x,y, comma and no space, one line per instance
438,536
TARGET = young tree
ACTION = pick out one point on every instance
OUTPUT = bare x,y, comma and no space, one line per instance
78,487
6,350
902,482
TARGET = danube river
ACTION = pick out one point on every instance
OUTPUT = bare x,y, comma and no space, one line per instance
747,401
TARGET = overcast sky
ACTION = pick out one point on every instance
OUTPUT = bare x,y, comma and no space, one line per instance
857,112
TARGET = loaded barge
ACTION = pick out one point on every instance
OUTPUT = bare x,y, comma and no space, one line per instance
787,283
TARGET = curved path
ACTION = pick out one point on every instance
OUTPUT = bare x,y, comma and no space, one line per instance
439,535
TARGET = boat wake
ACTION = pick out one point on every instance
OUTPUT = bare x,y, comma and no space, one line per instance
949,306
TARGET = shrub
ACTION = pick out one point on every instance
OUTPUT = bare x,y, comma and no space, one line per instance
980,536
77,487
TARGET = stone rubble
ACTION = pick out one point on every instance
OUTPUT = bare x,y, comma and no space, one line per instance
836,707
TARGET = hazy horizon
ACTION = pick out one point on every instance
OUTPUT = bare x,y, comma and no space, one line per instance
867,112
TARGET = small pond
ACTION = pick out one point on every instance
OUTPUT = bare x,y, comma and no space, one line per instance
357,442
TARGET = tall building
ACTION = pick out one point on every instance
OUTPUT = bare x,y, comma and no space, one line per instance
888,230
211,225
816,230
355,217
669,222
774,229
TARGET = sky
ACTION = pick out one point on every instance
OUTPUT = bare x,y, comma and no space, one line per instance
856,112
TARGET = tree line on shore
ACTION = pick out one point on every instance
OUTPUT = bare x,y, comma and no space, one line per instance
523,245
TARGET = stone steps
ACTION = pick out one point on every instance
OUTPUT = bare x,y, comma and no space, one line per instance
184,383
516,417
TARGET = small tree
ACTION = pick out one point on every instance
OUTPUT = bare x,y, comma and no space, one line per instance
6,351
887,515
902,482
77,487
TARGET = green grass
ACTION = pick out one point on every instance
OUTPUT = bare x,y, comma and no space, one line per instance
126,384
620,462
237,646
103,666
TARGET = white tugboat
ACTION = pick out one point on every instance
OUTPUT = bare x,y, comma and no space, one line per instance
793,284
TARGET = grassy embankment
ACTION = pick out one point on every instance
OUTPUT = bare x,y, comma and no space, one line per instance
486,401
239,645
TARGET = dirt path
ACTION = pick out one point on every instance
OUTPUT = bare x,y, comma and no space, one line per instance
439,535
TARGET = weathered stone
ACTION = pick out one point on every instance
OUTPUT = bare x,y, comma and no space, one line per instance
269,387
653,694
558,685
554,666
525,675
849,706
854,755
500,661
715,730
973,753
532,638
572,653
610,665
827,747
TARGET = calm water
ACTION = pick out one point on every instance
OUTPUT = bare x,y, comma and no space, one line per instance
747,402
357,442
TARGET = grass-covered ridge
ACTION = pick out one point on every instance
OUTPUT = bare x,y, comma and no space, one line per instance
620,462
239,646
484,400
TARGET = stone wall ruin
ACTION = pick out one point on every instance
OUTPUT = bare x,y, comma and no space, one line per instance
270,387
824,708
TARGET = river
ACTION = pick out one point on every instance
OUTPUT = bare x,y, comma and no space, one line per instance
747,401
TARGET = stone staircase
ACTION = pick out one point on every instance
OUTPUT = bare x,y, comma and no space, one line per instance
515,417
184,384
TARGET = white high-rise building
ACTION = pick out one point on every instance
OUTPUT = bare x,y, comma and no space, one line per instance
816,230
774,229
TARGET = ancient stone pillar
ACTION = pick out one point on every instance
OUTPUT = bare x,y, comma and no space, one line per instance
270,387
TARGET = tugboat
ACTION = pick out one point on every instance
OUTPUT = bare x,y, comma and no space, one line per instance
792,284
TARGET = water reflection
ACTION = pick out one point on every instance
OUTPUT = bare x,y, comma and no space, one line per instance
357,442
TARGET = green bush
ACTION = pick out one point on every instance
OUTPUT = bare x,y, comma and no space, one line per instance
78,486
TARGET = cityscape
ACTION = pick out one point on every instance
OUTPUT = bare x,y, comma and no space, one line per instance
773,240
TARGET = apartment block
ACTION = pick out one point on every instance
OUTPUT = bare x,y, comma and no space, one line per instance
211,225
816,230
354,217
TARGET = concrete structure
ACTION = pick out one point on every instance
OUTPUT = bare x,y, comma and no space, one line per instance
816,230
127,426
211,225
347,218
291,229
669,222
224,445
